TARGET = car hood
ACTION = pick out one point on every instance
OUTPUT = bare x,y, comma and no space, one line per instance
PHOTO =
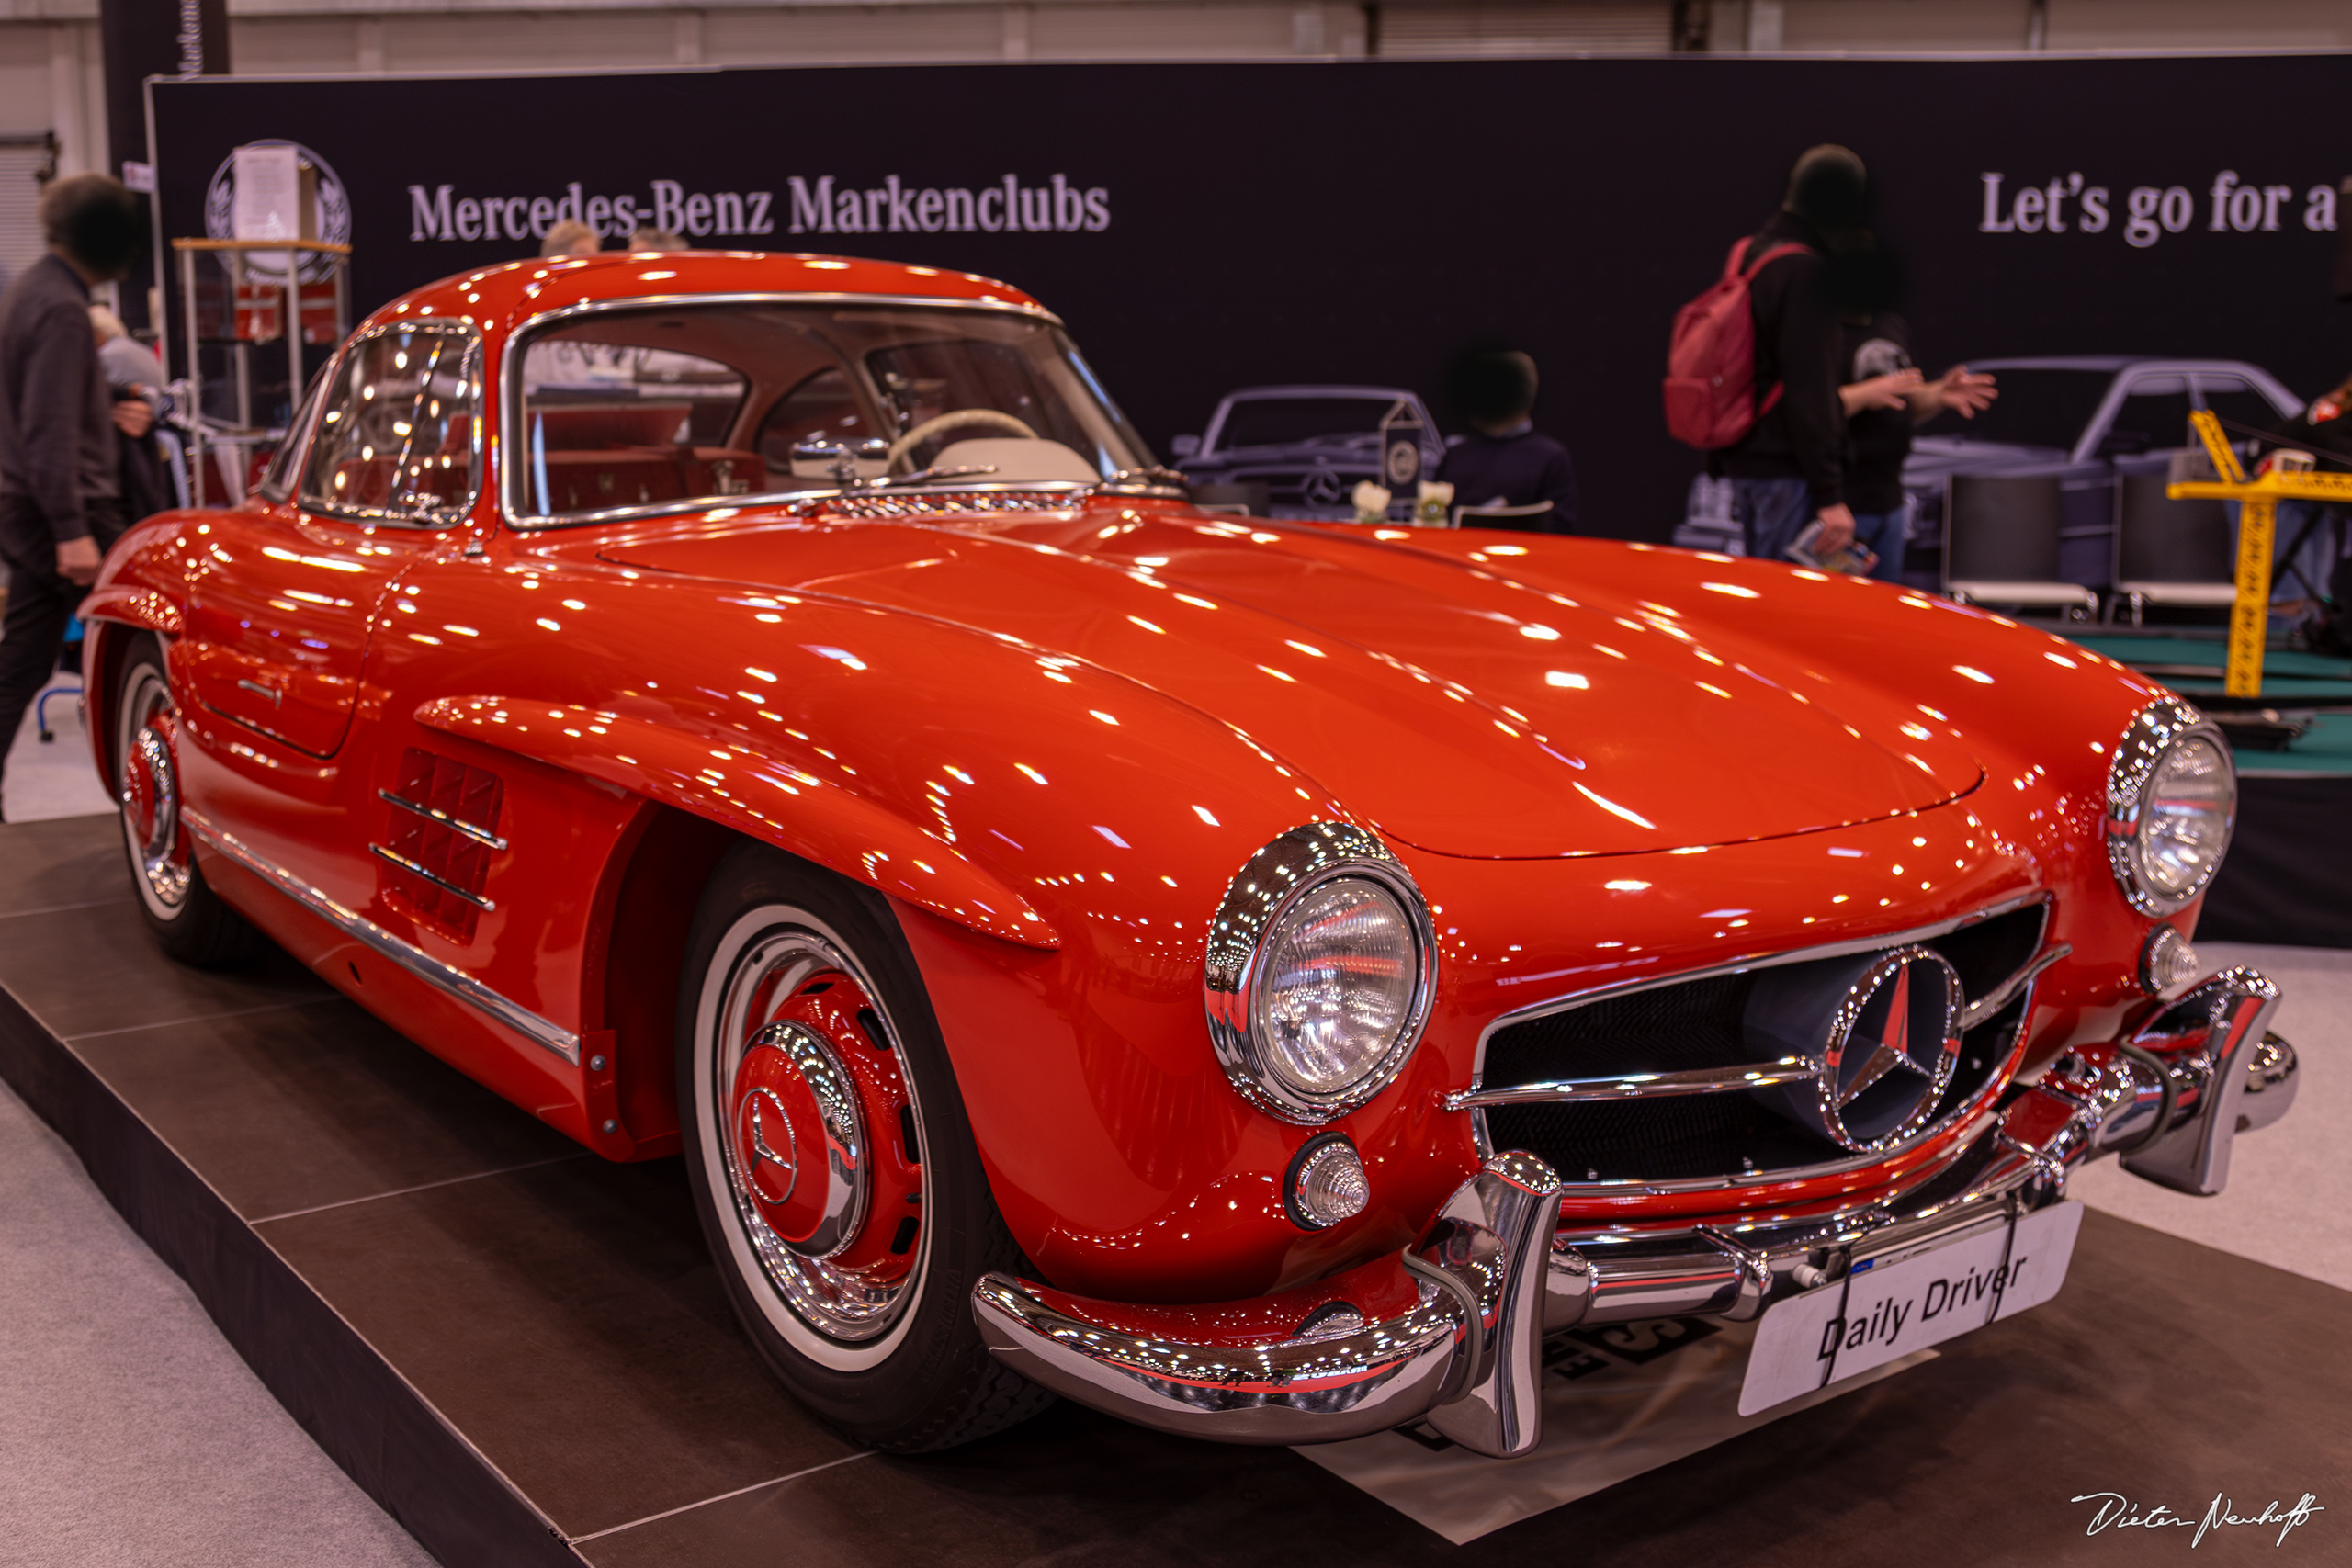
1460,708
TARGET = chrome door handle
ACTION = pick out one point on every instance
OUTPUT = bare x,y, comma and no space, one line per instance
257,689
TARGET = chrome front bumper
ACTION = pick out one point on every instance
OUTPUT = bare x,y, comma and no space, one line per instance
1454,1331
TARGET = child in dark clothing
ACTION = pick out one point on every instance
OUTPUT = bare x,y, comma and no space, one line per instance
1505,461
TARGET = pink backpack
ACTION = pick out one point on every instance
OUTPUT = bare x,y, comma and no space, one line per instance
1711,365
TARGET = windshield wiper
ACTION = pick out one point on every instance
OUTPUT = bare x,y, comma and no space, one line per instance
955,472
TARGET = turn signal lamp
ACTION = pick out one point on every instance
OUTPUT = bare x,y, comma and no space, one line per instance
1326,1184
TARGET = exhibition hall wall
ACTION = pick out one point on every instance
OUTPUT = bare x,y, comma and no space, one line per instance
1208,227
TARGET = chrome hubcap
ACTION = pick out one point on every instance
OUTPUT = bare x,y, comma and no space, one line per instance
151,800
818,1134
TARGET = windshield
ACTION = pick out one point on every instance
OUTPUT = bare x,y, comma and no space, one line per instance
1300,422
2035,408
682,404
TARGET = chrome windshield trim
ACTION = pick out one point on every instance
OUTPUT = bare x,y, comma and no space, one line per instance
510,377
1642,1085
539,1031
443,882
480,836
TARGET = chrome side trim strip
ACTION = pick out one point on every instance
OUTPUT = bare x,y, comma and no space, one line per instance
479,835
423,965
1642,1085
443,882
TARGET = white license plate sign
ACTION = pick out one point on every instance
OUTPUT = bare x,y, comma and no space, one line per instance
1902,1302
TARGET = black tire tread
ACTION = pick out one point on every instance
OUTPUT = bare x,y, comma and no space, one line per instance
992,1395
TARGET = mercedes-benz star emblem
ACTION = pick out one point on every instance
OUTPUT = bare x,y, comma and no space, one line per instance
1893,1041
1890,1050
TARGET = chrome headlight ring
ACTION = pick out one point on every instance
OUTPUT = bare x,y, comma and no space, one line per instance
1269,886
2156,733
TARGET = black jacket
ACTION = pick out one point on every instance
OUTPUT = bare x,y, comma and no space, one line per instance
1879,439
1518,470
57,438
1804,434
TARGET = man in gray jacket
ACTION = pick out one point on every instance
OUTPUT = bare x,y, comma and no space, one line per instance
60,505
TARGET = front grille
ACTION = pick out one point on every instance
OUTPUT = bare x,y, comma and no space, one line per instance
1989,952
1665,1028
1699,1023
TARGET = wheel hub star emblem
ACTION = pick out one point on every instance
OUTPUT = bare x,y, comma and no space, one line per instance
774,1172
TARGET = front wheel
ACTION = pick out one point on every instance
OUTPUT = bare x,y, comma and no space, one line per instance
833,1169
188,919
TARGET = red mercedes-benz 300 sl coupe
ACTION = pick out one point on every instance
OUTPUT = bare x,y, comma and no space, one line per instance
1259,979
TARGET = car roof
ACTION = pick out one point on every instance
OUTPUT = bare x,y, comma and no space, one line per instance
2106,363
500,298
1260,394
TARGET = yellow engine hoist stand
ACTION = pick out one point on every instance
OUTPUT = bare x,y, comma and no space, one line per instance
2257,500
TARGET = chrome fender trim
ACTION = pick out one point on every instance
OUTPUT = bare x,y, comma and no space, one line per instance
539,1031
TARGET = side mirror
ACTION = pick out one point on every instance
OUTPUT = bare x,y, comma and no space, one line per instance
1185,445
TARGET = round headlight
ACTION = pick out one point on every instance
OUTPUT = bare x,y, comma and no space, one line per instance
1341,970
2171,802
1321,964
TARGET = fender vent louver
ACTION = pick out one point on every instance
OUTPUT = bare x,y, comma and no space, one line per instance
441,832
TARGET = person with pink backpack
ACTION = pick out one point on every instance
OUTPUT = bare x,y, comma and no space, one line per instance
1753,372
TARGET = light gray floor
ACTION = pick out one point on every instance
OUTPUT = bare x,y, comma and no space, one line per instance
55,778
2288,1202
131,1435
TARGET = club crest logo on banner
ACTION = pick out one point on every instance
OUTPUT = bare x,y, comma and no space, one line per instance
333,215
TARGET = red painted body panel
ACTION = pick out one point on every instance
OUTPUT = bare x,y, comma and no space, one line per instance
1052,737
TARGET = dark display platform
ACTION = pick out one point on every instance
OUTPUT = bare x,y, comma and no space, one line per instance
523,1354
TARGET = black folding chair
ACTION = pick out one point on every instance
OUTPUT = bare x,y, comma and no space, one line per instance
2166,551
2001,544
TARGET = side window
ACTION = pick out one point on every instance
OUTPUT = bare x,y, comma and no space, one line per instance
2246,414
397,439
2149,421
278,481
610,424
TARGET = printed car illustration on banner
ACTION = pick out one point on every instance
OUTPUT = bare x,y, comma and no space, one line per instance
2089,419
1256,978
1310,446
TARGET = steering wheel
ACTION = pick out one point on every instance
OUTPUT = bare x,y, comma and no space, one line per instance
949,421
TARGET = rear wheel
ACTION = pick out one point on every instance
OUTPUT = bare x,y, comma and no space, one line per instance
832,1166
188,919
